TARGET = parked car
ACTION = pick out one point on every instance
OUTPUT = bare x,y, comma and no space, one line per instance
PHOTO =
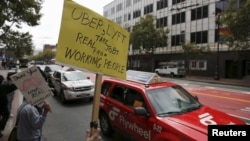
42,67
72,84
144,107
49,70
11,64
23,62
172,69
39,62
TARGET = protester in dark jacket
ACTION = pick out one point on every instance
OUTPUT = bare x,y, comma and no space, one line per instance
5,89
10,95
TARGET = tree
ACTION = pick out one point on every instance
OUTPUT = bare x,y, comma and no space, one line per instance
145,36
237,20
46,55
15,13
20,43
193,51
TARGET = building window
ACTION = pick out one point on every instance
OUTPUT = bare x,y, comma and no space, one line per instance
129,16
162,22
119,7
178,18
221,6
199,37
177,39
128,3
129,29
137,13
162,4
199,13
198,65
125,18
119,20
112,10
105,14
148,9
136,1
177,1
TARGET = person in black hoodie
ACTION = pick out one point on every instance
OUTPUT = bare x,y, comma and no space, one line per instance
5,88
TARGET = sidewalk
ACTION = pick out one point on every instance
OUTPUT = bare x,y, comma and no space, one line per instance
245,82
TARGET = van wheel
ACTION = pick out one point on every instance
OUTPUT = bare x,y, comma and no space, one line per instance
105,125
172,75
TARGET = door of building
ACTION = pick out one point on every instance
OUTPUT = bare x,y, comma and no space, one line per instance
248,69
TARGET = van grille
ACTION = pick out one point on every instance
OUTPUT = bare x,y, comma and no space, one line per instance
78,89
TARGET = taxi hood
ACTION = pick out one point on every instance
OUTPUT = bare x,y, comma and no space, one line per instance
199,119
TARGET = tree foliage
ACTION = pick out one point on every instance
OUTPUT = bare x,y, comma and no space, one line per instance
14,13
20,43
145,35
237,20
193,51
46,55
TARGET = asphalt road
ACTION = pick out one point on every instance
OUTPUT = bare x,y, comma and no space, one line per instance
70,121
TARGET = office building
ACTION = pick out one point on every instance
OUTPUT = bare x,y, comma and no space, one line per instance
186,20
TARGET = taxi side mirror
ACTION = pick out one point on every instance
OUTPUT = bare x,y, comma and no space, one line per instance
141,111
196,98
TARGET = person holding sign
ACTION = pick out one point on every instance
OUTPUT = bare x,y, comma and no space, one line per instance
96,136
31,120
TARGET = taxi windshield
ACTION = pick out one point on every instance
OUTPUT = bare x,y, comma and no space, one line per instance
172,100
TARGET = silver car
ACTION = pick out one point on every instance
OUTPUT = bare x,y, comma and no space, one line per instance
72,85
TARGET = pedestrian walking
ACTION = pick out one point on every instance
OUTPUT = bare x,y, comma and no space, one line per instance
4,111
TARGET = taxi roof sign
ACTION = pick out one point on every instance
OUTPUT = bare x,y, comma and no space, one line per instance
143,77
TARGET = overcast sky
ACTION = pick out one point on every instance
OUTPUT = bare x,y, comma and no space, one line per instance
48,30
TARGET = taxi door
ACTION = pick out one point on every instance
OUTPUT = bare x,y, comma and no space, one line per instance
114,105
138,127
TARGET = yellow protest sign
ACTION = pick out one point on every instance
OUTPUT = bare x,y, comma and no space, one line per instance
90,41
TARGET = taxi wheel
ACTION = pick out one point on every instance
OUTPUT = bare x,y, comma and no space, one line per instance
105,125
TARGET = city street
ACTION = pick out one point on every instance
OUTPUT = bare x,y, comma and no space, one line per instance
69,122
233,100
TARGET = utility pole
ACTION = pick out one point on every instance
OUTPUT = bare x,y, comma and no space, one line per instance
217,72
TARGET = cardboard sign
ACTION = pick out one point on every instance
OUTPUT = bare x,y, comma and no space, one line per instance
90,41
32,85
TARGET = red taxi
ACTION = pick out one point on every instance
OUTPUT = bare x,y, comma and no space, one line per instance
148,109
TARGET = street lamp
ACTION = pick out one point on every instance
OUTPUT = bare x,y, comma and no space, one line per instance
217,72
